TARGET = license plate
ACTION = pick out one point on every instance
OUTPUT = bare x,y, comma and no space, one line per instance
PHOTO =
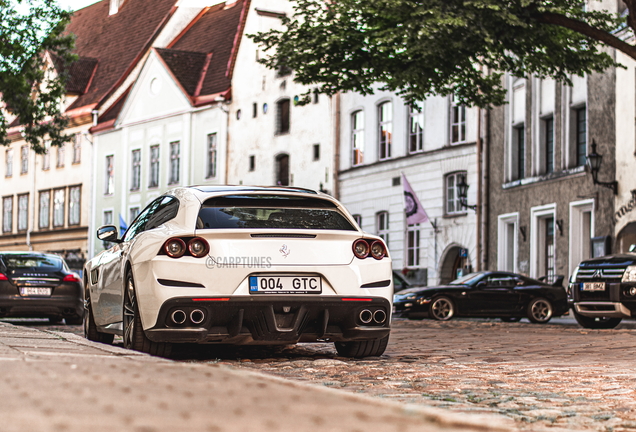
593,286
285,285
32,291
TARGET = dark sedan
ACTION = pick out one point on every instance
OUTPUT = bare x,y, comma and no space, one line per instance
34,284
508,296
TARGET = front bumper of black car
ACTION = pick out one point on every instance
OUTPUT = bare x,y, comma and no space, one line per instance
268,320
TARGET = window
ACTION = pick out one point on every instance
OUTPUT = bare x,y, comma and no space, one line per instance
520,142
74,202
458,122
413,246
507,242
175,161
282,170
23,212
154,166
282,116
135,178
109,185
382,225
8,158
211,171
385,129
133,213
357,137
453,202
548,248
59,198
24,159
549,144
77,148
107,217
254,110
358,219
45,209
581,231
543,224
61,154
252,162
46,157
416,127
316,152
581,136
7,214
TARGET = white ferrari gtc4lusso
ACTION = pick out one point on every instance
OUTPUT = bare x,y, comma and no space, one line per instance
241,265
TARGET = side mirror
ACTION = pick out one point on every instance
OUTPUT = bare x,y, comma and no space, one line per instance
108,233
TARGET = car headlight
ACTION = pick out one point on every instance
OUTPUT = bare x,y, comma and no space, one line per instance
630,274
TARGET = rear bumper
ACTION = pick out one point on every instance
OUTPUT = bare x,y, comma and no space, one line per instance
269,319
24,307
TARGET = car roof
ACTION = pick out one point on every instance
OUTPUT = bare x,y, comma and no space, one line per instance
230,188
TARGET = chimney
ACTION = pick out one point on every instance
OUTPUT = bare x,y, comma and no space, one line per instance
114,6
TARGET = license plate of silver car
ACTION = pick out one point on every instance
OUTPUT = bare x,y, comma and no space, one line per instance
34,291
593,286
285,285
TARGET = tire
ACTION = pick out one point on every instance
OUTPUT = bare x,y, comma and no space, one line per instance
134,336
359,349
510,319
540,310
596,323
76,320
441,309
90,329
55,320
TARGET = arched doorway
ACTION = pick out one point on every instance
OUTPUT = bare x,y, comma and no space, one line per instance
626,237
455,263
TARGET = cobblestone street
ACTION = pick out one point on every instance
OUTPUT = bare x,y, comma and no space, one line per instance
557,376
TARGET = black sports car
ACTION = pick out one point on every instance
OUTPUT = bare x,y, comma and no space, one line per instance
34,284
504,295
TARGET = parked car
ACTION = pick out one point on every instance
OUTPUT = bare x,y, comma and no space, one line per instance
504,295
241,265
34,284
602,291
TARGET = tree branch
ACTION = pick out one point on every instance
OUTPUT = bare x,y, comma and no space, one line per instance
587,30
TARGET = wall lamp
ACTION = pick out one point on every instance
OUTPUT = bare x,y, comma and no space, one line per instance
462,191
594,161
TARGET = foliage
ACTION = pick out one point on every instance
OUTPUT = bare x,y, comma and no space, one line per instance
423,47
31,89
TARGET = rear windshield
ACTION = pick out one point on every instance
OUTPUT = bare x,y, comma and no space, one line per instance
271,211
48,262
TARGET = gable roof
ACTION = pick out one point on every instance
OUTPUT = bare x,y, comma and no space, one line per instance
112,44
188,68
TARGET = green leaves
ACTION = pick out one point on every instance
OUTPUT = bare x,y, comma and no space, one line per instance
422,47
35,56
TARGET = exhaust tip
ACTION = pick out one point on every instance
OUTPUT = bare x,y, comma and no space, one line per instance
366,316
178,316
197,316
379,316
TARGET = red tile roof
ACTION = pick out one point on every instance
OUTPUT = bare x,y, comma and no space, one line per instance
116,41
187,67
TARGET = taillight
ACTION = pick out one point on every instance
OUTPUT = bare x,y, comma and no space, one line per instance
3,277
174,247
198,247
361,248
377,250
71,278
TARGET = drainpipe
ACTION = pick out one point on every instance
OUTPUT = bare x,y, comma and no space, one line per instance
336,157
485,195
479,192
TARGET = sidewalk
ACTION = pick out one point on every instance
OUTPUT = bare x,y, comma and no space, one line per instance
54,381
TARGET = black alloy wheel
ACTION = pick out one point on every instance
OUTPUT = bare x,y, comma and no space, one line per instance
596,322
134,336
540,310
441,309
90,329
359,349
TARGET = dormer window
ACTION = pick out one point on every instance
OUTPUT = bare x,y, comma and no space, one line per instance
114,6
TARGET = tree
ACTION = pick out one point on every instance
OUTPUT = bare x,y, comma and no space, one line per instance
462,47
32,91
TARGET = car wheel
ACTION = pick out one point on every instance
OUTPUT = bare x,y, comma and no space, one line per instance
90,329
540,311
596,323
76,320
134,336
510,319
359,349
441,309
55,319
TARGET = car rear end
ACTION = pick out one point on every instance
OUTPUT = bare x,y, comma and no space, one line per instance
39,285
269,268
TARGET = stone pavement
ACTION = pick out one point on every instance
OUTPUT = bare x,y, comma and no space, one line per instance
552,377
58,381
